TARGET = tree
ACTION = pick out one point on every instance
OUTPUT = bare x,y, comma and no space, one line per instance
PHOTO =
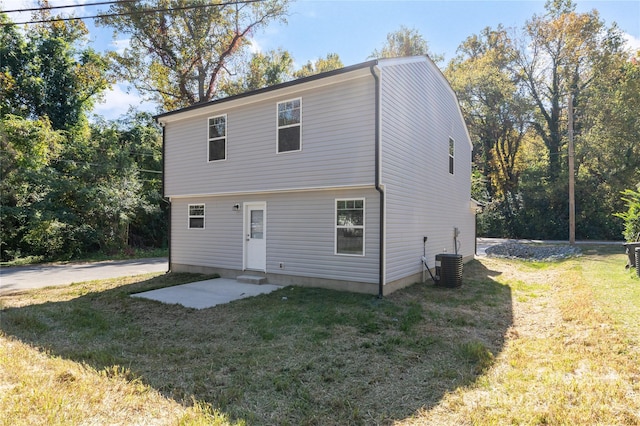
27,150
632,216
115,176
178,56
497,113
68,193
562,52
263,70
48,72
14,58
608,145
329,63
405,42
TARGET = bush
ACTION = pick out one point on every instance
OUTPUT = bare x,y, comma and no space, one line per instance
632,216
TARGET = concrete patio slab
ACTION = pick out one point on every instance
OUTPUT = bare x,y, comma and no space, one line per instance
206,294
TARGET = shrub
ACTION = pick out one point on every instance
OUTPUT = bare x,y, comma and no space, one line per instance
632,216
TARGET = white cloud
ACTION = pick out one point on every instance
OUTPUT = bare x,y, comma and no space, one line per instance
18,5
254,46
120,45
117,102
632,42
78,10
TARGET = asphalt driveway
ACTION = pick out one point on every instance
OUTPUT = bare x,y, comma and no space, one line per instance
38,276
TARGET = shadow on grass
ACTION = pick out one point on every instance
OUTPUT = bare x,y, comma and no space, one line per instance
294,356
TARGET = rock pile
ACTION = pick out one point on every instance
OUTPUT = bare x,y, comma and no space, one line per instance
534,252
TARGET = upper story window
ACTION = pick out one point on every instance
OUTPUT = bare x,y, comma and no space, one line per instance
196,216
217,138
451,152
289,125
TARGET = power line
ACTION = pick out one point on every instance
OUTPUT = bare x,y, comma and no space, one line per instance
138,12
66,6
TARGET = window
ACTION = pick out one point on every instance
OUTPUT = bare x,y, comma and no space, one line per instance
196,216
289,125
350,227
451,152
217,138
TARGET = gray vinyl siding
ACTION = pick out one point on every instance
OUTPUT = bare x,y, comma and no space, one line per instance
338,123
419,114
300,234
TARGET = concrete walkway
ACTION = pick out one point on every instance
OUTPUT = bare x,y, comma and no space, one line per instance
206,294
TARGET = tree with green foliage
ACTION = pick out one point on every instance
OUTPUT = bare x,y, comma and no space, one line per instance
632,216
178,56
262,70
14,61
607,148
405,42
28,148
329,63
497,113
49,72
608,142
514,92
68,193
563,53
274,67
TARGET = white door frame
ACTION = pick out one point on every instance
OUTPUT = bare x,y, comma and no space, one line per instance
254,255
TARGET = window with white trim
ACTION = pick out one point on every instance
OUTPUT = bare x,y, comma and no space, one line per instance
217,145
196,216
350,226
451,152
290,125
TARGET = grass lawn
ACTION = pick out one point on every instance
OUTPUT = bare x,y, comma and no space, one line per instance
518,343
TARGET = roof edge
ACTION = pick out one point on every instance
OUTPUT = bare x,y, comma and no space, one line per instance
290,83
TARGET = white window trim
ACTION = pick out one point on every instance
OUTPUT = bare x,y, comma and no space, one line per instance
452,159
226,138
190,216
278,127
363,226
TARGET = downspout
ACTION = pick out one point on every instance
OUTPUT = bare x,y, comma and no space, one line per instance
378,186
165,199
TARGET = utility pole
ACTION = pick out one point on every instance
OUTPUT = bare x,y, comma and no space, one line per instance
572,183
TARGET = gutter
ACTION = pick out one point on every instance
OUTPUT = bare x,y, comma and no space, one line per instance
165,199
377,180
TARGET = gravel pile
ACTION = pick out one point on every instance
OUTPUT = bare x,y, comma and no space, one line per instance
541,252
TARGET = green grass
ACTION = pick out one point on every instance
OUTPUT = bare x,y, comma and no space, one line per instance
91,257
557,340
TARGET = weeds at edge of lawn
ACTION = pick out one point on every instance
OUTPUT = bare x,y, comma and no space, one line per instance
316,357
131,253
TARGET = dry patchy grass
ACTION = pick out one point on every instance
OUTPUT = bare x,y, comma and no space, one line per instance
543,338
571,356
38,386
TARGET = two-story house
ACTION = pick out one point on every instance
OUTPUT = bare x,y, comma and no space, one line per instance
332,180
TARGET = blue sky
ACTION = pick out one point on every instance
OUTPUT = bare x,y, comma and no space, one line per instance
354,29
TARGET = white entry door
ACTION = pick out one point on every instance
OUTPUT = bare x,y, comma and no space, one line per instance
255,235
